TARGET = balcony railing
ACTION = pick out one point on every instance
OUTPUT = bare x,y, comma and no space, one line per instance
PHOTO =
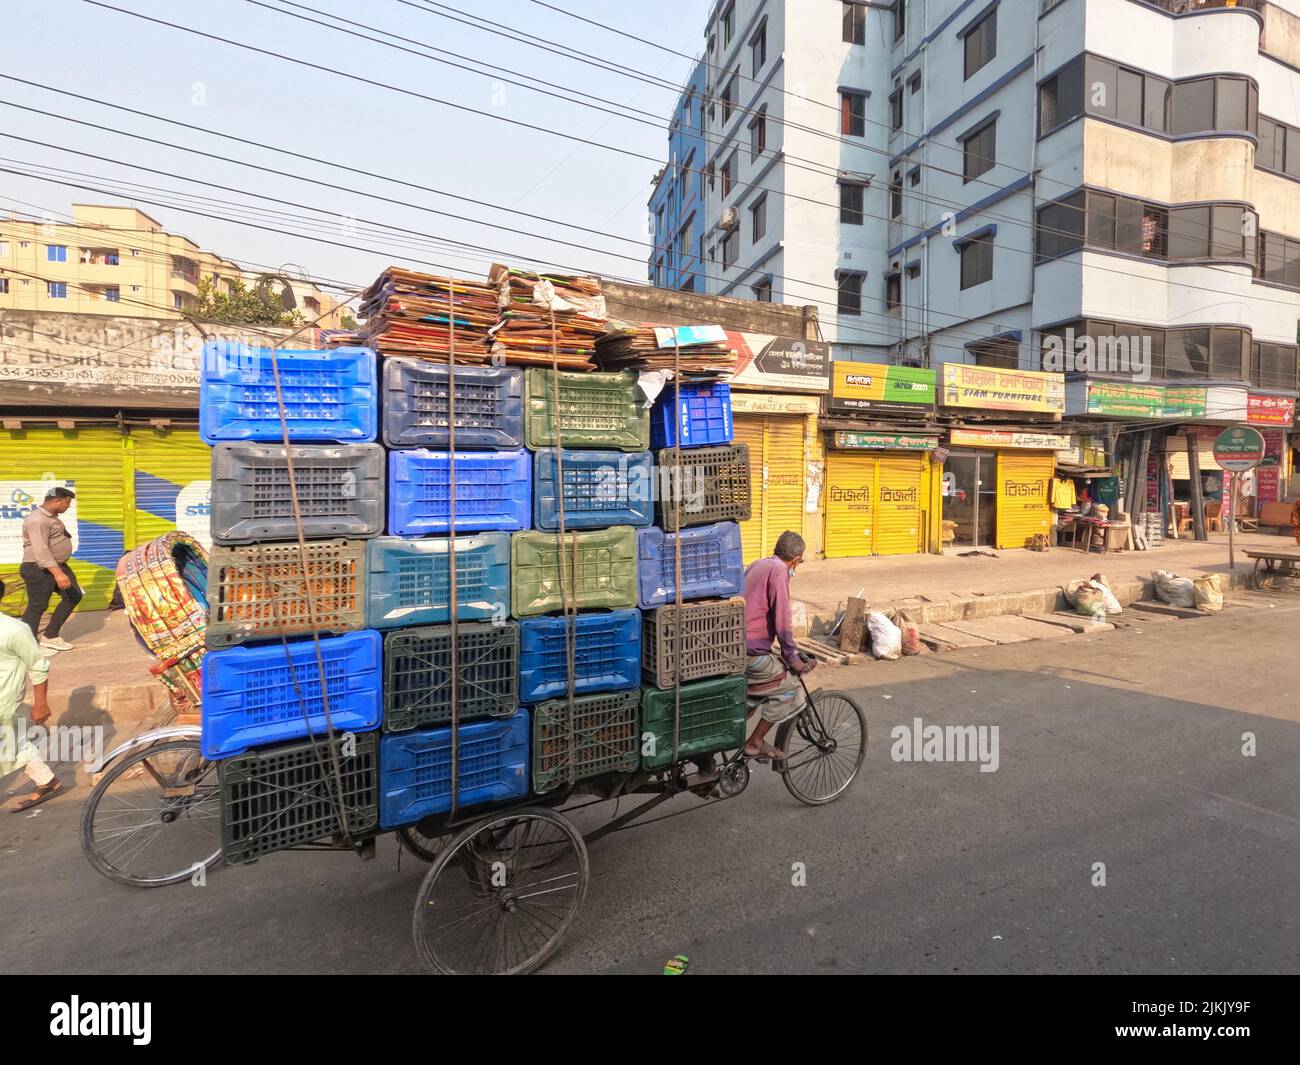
1187,7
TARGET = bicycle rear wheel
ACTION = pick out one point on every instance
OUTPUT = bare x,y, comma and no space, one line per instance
824,748
155,817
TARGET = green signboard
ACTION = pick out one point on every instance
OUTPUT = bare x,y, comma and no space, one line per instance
885,441
1145,401
1238,449
865,385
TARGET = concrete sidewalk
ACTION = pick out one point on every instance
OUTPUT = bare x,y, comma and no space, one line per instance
948,586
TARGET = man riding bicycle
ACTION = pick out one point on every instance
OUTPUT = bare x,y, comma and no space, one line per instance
773,691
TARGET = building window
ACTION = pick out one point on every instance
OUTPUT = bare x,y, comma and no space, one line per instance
896,108
900,19
851,198
688,285
731,249
853,114
135,253
1060,97
758,219
113,295
4,247
893,291
178,301
914,176
1059,228
4,286
849,286
979,151
763,291
728,176
896,195
913,271
914,83
728,24
1003,353
1279,147
977,261
1279,259
855,23
982,42
758,136
135,288
1274,365
56,253
729,97
758,49
56,290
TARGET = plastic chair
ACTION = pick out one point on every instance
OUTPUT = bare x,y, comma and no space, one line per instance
1213,522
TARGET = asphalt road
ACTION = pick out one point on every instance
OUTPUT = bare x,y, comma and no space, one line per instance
1122,748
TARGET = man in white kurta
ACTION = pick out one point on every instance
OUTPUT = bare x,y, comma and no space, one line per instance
20,661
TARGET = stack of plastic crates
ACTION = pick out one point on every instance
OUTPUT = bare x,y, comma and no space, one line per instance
575,596
428,666
292,681
702,482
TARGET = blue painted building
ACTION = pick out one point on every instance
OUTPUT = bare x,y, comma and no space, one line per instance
678,198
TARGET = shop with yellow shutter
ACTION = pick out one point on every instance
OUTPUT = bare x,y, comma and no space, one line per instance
997,483
785,463
881,496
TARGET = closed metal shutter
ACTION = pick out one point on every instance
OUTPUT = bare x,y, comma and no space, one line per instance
172,484
1178,460
1023,481
900,503
777,472
90,461
850,503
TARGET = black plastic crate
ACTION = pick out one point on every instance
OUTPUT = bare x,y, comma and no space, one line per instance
417,674
417,405
605,738
279,797
712,482
712,634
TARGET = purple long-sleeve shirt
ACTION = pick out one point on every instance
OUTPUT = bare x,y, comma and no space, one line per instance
767,608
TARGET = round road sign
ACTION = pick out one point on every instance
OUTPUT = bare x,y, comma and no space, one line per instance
1238,449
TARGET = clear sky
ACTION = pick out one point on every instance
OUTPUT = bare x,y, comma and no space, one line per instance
115,58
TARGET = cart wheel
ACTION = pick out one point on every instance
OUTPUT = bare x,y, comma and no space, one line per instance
824,748
502,895
426,848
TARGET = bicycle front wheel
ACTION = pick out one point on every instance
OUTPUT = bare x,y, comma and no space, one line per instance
824,748
155,817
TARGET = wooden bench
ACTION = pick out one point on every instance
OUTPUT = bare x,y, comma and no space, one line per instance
1276,563
1277,515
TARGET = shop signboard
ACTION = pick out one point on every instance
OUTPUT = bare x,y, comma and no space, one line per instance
1008,438
885,441
991,388
780,364
1269,472
1186,402
1121,400
1269,410
874,386
17,500
1238,449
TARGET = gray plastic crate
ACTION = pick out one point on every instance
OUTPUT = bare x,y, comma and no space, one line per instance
712,641
713,483
417,674
340,491
263,591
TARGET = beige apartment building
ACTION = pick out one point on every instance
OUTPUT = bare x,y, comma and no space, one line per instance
120,261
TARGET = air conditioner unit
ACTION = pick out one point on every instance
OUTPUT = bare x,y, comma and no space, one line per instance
730,219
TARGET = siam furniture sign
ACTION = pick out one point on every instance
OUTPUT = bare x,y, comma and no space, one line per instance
991,388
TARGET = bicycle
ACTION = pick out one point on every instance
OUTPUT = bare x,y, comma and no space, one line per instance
154,818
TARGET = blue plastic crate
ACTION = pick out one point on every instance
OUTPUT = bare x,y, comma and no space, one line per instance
700,416
415,768
601,488
712,564
417,406
494,491
329,396
606,655
408,581
253,696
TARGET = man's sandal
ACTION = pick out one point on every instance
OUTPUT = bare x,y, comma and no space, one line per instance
40,795
765,753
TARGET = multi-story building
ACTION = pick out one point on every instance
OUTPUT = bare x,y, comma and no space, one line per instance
948,179
678,197
119,261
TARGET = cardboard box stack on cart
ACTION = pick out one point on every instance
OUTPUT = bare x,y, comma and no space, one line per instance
567,644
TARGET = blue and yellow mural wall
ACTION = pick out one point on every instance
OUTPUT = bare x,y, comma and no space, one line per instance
132,483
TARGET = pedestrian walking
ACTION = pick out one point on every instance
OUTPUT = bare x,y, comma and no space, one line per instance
47,546
21,660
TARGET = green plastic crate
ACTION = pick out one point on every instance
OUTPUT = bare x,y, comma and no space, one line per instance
713,719
604,410
604,578
604,739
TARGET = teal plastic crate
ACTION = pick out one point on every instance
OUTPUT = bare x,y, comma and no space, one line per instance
604,577
601,410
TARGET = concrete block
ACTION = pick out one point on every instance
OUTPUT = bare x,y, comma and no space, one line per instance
953,636
1154,607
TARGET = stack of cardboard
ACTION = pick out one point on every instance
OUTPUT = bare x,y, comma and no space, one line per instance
407,313
546,315
703,351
